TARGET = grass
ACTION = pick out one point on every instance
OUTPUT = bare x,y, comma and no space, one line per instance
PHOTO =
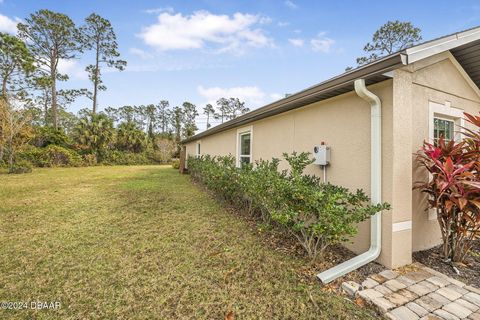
142,242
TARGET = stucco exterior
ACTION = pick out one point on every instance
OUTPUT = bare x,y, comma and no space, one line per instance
343,123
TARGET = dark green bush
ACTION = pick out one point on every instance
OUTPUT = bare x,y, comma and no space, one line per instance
317,214
21,166
130,138
51,156
45,136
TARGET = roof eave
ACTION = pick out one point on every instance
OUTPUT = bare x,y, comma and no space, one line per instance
380,66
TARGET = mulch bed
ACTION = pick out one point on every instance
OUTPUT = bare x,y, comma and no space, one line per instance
469,272
334,255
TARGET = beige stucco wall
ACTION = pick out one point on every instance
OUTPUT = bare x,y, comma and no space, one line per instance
438,80
343,123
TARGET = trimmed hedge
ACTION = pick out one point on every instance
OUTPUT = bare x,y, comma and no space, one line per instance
317,214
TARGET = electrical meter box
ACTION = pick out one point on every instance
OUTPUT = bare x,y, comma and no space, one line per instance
321,153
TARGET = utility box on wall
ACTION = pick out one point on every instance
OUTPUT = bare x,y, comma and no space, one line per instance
321,154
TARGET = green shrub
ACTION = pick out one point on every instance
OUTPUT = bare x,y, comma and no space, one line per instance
89,160
51,156
45,136
317,214
175,163
21,166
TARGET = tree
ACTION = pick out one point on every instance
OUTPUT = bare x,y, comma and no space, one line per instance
112,113
15,121
150,114
99,36
236,108
208,111
389,38
164,115
16,62
223,108
190,113
94,132
130,138
51,36
43,84
177,120
126,113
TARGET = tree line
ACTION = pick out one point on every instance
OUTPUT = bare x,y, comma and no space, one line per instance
34,111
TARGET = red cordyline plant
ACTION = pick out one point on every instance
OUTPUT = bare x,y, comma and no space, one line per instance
454,189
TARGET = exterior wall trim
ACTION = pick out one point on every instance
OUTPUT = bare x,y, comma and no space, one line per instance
401,226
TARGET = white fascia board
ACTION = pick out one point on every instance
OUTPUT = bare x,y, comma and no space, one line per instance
441,45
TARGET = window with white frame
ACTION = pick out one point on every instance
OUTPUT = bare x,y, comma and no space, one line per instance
445,121
197,149
443,128
244,146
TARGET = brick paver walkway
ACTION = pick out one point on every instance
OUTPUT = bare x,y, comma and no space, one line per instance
421,293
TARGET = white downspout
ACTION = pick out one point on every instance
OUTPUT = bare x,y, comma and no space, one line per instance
376,187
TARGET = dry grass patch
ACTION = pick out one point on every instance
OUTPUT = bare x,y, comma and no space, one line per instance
143,243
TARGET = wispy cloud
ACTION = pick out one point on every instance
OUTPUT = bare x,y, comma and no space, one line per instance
297,42
253,96
8,25
159,10
290,4
72,68
141,53
283,24
322,43
202,29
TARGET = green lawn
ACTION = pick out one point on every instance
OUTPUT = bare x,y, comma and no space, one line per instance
142,242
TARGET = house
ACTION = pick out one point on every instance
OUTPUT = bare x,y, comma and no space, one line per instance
373,119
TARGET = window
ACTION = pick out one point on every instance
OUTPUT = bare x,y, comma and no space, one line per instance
446,121
443,128
244,146
197,149
245,156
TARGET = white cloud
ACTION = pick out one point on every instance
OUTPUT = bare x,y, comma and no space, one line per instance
159,10
265,20
322,43
283,24
195,31
8,25
253,96
290,4
72,68
141,53
276,96
296,42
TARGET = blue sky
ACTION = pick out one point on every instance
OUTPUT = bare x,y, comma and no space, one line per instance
256,50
